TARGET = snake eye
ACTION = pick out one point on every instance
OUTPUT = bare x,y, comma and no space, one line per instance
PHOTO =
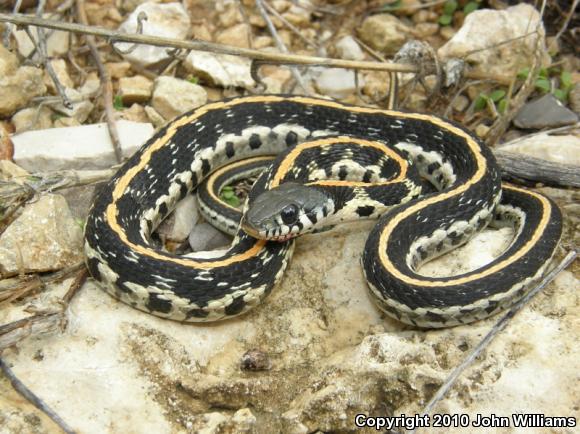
289,214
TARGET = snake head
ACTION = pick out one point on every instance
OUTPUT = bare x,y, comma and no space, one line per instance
286,211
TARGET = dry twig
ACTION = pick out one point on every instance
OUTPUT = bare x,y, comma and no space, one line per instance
43,54
106,84
268,57
280,44
32,398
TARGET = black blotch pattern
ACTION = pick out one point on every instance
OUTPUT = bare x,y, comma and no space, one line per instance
156,304
291,139
255,141
365,211
236,306
230,152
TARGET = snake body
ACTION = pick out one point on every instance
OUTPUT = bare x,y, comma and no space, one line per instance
206,286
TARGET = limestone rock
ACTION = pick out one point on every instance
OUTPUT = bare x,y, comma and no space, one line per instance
81,106
173,96
166,20
135,89
81,147
60,68
18,85
44,237
33,118
336,82
57,41
487,28
558,149
348,48
220,69
384,32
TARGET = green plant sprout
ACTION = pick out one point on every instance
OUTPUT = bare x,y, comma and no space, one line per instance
450,6
229,196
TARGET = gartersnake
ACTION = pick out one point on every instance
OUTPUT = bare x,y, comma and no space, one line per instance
205,287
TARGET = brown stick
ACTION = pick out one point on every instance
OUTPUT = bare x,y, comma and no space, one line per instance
105,84
277,58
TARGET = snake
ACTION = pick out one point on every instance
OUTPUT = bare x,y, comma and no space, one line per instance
208,286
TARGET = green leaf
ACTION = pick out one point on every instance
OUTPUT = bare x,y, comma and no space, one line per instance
193,79
561,94
496,95
118,102
566,80
523,74
502,106
449,7
470,7
393,6
543,84
445,20
481,101
543,73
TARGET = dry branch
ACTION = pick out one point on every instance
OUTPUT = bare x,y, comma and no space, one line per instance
274,58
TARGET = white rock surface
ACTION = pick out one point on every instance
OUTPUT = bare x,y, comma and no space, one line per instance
347,48
44,237
559,149
337,82
168,20
384,32
174,96
82,147
333,355
220,69
487,28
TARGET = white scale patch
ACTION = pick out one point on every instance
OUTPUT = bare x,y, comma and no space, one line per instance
445,168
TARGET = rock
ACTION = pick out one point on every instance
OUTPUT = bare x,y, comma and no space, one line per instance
118,70
130,5
236,36
34,118
91,86
135,113
220,69
479,40
18,85
154,117
44,237
460,103
181,222
337,82
173,96
60,68
57,41
347,48
66,122
384,32
83,147
165,20
424,30
275,78
205,237
559,149
136,89
81,106
545,112
574,98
